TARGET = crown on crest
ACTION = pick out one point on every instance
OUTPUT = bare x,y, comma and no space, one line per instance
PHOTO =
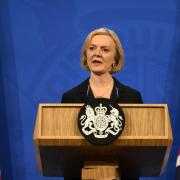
100,109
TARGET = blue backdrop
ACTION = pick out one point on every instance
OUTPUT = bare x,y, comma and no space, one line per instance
40,43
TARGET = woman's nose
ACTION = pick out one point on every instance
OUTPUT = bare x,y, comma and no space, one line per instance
98,52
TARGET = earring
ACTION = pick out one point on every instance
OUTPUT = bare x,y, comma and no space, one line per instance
113,65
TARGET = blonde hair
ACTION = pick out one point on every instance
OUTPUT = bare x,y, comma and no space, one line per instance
119,56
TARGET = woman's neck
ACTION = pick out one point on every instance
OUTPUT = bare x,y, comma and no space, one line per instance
101,85
101,80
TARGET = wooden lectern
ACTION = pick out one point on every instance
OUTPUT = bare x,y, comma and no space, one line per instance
142,149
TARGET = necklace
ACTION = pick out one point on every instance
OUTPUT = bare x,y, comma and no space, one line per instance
105,92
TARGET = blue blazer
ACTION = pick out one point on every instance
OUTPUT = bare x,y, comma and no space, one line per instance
120,94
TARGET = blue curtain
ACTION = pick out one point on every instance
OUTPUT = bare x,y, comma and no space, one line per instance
40,48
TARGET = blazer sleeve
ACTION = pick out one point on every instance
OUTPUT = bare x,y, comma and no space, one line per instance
139,99
66,98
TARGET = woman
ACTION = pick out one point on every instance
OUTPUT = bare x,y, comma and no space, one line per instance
102,55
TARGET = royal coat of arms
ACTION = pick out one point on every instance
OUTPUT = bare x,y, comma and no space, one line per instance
101,121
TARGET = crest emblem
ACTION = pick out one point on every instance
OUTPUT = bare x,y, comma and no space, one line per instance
101,121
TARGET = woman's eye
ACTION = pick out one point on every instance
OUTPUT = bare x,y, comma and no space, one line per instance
106,50
91,48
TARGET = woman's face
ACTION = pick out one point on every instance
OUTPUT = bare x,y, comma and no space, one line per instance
101,54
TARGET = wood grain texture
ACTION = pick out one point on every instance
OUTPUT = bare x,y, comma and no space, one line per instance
146,125
100,173
142,149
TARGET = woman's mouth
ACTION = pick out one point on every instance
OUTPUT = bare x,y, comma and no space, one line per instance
95,61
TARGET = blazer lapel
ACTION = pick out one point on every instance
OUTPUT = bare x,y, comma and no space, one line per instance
118,91
117,94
